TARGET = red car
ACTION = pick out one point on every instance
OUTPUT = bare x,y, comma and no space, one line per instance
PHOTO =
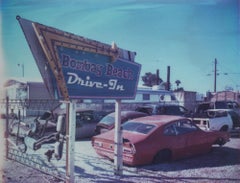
158,138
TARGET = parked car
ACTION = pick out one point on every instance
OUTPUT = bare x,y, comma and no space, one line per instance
86,121
108,122
215,119
158,138
218,105
166,109
231,107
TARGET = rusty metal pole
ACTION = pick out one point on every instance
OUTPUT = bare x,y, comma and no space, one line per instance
158,77
168,78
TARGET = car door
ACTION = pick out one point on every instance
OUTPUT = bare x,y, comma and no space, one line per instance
175,141
196,139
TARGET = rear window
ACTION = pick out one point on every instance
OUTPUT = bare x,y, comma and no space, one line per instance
107,120
138,127
221,105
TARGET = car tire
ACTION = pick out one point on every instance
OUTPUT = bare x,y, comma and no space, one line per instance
224,128
162,156
220,141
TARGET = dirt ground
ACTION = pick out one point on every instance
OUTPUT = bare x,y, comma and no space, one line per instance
222,164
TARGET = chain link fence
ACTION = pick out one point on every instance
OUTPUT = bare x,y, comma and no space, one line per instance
18,114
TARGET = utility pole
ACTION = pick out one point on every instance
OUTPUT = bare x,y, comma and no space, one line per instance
215,75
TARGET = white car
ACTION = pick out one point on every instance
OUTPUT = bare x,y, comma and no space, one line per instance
218,120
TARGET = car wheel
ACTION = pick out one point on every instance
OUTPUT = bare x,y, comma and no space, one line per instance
224,129
220,141
162,156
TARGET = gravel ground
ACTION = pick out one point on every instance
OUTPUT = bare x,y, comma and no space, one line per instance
222,164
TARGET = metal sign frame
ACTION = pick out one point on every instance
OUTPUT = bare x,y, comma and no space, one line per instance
75,67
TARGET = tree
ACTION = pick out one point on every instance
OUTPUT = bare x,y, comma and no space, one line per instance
150,79
178,82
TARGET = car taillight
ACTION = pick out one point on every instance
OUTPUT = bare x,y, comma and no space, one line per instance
97,143
129,148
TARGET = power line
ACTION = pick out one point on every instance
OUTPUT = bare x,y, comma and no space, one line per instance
216,73
231,75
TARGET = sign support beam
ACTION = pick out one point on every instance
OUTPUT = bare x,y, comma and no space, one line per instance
118,142
71,131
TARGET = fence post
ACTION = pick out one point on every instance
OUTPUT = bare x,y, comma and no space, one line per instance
6,127
19,121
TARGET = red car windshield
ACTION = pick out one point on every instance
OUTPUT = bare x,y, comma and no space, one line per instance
137,127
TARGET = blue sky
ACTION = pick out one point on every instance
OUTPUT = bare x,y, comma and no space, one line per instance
186,35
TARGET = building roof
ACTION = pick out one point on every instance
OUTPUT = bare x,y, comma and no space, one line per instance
225,96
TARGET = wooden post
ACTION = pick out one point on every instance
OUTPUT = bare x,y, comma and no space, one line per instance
71,130
118,162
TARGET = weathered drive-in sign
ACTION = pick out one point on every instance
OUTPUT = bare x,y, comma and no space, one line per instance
76,67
